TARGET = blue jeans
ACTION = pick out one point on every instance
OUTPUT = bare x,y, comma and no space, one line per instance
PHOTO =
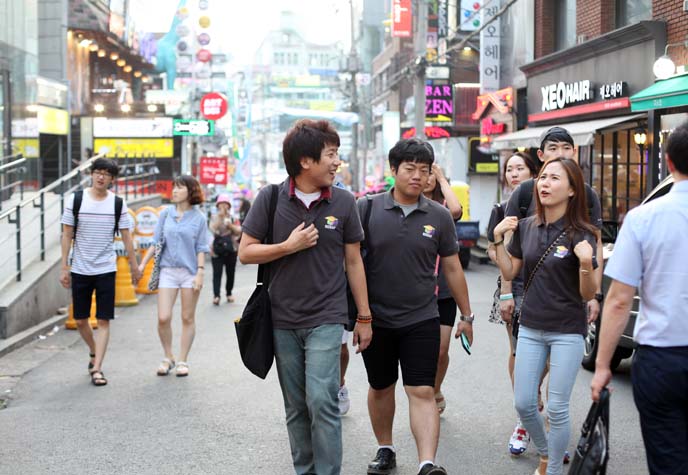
565,351
308,369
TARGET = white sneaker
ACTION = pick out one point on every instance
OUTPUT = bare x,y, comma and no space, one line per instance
344,402
518,443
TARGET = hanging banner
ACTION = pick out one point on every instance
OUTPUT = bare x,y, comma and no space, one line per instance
490,52
401,18
213,171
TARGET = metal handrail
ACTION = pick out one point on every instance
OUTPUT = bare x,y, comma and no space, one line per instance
14,214
12,164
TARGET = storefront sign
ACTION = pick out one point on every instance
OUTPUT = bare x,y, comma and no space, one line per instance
439,103
437,72
213,106
560,95
479,161
433,132
197,127
613,90
53,121
490,49
591,108
401,18
157,127
158,148
489,127
204,39
213,170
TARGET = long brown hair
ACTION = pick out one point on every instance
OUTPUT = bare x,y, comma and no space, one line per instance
577,218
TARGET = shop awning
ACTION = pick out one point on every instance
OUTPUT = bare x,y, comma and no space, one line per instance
583,133
671,92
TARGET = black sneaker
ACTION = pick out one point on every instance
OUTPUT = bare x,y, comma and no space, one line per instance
432,469
384,462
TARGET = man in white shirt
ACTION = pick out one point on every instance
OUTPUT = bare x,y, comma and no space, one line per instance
650,254
89,219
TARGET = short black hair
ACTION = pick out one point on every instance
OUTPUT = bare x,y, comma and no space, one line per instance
677,148
556,135
307,138
106,164
411,150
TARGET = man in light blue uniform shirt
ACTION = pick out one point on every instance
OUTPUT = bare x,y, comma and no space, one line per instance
650,254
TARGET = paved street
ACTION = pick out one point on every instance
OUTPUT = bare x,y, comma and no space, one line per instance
223,420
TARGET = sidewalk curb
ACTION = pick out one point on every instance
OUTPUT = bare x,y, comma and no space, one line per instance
27,336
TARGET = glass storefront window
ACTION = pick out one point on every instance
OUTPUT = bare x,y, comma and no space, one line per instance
565,18
632,11
619,173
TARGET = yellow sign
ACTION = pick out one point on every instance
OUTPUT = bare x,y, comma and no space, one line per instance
487,167
158,148
462,192
204,21
27,147
53,121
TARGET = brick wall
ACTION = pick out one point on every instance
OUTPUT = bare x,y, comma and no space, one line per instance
594,18
544,27
672,12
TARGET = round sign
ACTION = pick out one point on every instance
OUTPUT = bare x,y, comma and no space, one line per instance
213,106
146,220
204,21
183,13
182,46
182,30
202,4
203,55
203,39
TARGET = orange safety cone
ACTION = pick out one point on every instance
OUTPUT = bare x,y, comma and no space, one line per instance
142,288
125,295
70,324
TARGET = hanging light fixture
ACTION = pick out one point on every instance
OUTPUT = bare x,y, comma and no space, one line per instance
93,48
152,108
102,53
127,68
137,74
114,56
121,62
98,108
125,107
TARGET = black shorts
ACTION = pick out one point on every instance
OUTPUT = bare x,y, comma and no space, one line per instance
447,309
82,291
415,347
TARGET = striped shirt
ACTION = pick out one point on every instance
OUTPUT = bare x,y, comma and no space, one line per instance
92,251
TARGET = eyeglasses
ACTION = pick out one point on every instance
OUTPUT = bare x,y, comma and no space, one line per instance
101,174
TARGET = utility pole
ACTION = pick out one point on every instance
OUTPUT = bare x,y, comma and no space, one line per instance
353,70
421,41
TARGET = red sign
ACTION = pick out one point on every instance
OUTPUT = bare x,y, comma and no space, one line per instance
214,170
591,108
213,106
430,132
164,188
203,55
489,127
401,18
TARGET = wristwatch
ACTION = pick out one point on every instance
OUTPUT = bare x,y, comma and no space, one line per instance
599,297
467,319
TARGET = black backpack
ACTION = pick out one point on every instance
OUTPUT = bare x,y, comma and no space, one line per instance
223,245
79,197
525,196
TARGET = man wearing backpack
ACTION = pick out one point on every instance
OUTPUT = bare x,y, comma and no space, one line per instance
316,229
90,221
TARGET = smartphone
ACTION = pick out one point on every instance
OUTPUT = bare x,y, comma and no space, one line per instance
465,343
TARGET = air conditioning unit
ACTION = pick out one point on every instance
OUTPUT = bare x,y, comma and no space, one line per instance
583,38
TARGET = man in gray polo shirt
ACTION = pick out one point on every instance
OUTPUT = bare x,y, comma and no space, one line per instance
406,234
316,230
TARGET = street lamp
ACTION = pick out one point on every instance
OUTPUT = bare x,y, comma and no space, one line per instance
640,137
664,67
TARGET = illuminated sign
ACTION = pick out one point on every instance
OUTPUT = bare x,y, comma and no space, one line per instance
214,106
439,103
53,121
401,18
430,132
213,170
560,95
132,128
490,127
158,148
193,127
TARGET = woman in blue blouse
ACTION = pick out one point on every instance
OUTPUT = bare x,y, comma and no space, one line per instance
184,230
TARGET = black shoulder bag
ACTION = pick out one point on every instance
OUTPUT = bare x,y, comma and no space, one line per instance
515,321
254,328
351,303
592,451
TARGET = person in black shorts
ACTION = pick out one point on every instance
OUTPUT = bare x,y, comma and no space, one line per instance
439,190
407,232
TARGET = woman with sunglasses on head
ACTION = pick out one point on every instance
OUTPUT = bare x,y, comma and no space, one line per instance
509,295
439,190
184,230
556,248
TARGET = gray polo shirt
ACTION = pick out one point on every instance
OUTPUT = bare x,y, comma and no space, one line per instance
400,260
595,211
553,301
308,288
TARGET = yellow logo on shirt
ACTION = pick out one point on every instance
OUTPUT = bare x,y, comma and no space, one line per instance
428,231
331,222
561,252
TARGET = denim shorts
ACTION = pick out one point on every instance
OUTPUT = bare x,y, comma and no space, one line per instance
175,278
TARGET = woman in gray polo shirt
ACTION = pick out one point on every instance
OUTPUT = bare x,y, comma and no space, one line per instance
556,249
